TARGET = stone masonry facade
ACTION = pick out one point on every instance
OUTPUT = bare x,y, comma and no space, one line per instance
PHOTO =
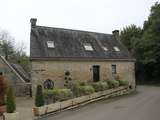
80,71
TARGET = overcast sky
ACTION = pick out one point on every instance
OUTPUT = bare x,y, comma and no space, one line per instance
91,15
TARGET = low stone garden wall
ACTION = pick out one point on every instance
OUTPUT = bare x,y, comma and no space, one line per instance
79,101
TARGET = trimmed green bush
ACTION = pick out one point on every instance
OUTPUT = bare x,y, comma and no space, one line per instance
39,98
86,90
75,90
123,82
82,83
113,83
10,101
58,94
65,94
100,86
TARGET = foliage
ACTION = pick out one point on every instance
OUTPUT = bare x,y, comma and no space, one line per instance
123,82
86,90
58,94
82,84
145,46
113,83
10,101
100,86
11,53
39,98
6,45
130,36
75,90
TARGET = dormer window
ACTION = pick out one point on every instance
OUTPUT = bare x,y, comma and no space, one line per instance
105,48
88,47
50,44
116,49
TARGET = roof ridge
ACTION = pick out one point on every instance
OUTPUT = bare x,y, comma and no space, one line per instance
85,31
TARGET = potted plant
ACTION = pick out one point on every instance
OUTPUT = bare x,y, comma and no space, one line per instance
39,102
2,94
11,106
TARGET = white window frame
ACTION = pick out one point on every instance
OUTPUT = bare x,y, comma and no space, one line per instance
116,48
50,44
88,47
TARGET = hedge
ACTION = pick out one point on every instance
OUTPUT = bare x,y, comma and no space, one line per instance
123,82
113,83
100,86
86,90
58,94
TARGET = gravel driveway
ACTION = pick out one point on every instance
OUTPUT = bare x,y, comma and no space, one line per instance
143,105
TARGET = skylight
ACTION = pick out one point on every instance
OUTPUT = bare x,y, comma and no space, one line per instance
50,44
116,48
105,48
88,47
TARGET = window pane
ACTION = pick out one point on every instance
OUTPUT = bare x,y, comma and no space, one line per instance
116,48
50,44
105,48
88,47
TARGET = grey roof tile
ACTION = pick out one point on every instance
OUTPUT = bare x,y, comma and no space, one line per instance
69,44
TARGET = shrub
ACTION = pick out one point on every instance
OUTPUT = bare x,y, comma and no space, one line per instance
82,83
10,101
86,90
100,86
75,90
58,94
123,82
113,83
65,94
39,98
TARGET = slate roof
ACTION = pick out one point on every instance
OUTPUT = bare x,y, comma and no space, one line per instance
18,68
70,44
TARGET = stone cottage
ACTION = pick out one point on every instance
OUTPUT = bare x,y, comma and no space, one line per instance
61,55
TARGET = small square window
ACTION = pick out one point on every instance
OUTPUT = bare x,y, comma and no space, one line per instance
88,47
50,44
105,48
116,48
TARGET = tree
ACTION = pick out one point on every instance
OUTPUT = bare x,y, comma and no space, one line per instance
10,101
151,44
39,99
144,44
11,53
6,44
130,36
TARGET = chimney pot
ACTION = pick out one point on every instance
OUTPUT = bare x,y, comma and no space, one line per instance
33,22
115,32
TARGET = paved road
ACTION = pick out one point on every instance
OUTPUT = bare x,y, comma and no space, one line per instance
143,105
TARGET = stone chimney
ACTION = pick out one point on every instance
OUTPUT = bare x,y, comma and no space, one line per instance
116,34
33,22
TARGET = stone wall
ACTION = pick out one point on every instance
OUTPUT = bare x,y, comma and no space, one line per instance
80,71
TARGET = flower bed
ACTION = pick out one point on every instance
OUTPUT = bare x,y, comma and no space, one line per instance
75,102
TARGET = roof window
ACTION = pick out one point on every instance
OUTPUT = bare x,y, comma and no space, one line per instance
88,47
105,48
116,49
50,44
